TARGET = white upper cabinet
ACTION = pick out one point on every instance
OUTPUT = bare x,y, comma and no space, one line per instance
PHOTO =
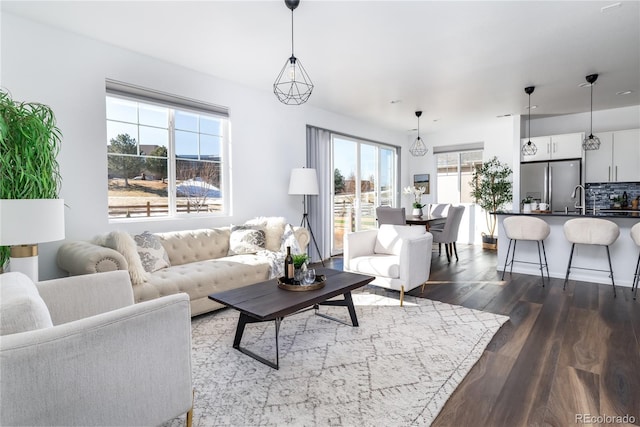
598,162
555,147
617,160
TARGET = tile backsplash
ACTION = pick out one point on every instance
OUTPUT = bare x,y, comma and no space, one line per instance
604,190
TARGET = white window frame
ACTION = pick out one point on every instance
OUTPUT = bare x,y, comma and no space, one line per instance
116,89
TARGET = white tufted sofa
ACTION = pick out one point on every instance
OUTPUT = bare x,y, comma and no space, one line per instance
200,264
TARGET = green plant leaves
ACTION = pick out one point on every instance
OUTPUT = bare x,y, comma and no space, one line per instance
29,146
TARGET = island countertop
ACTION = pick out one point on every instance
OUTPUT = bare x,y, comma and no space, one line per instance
624,252
608,213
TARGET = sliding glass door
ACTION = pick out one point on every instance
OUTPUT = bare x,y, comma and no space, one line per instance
364,177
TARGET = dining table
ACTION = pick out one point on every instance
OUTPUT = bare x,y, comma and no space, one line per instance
428,220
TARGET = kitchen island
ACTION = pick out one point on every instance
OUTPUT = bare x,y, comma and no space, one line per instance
624,253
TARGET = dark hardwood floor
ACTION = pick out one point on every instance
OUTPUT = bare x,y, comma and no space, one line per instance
562,354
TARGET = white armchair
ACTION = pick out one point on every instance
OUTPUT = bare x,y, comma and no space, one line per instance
78,351
398,256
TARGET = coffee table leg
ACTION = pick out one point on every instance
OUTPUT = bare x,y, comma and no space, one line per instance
346,302
242,322
352,309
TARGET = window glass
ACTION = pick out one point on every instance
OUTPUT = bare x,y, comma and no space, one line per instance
144,152
186,144
364,177
122,110
186,121
151,115
454,176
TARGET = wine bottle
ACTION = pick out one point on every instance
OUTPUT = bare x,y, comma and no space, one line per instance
288,266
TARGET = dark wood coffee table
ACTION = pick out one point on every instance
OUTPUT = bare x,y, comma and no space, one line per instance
265,301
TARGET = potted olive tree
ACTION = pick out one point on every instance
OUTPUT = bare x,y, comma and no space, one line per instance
491,189
29,146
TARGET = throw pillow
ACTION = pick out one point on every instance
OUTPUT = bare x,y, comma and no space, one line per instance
273,228
152,254
289,239
245,239
122,242
21,306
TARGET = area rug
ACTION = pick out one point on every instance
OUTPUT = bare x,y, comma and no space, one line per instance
397,368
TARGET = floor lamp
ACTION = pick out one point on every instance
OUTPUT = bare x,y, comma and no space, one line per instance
26,222
304,182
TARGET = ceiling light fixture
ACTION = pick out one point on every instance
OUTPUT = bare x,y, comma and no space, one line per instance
293,85
591,142
529,148
418,148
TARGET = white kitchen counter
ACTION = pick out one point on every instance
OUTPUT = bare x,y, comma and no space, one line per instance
624,253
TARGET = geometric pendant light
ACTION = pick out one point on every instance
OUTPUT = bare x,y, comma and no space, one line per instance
591,142
418,148
293,85
529,148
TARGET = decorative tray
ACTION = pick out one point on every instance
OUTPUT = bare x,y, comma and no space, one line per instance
318,284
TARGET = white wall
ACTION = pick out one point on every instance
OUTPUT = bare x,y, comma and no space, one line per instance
500,137
68,72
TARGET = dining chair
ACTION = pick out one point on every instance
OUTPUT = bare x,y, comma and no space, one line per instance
388,215
438,210
449,233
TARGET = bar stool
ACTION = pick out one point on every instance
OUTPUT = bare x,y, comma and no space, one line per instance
591,231
635,235
526,228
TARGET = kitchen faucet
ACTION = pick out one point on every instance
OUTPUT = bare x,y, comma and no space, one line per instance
582,204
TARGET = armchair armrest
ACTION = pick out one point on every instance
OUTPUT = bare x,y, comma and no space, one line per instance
80,257
130,366
357,244
415,260
77,297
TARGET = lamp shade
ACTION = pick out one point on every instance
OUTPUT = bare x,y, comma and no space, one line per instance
303,181
31,221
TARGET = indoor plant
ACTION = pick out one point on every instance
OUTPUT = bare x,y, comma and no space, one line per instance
29,146
417,193
491,189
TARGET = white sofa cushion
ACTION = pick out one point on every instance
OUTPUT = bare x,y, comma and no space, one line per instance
377,265
21,306
389,238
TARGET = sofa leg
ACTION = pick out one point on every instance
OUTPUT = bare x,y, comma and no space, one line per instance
190,412
401,295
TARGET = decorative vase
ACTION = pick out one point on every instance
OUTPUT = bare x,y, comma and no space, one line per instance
417,212
526,208
298,273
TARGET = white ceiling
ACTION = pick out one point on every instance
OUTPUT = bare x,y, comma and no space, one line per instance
457,61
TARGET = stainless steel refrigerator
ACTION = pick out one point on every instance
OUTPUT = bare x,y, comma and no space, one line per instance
552,182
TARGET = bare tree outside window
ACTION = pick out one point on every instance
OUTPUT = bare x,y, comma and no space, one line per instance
199,184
